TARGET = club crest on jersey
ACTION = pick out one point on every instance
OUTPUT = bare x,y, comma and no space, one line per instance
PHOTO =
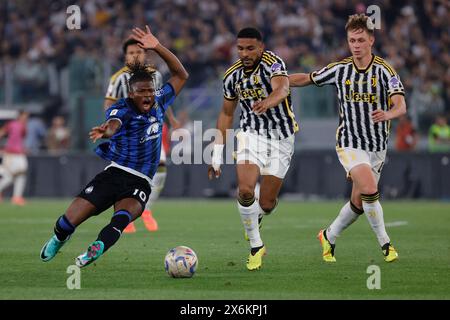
276,67
152,132
394,82
256,79
374,81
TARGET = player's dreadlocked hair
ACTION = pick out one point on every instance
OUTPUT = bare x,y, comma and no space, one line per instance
139,72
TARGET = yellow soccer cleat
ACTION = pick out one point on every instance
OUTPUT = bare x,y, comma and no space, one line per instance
390,254
254,262
327,247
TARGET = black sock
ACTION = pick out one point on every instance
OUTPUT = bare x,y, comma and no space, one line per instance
112,232
255,250
63,228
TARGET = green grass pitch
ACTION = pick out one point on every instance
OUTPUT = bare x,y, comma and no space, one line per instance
292,269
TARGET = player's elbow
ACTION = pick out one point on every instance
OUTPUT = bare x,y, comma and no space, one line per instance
184,75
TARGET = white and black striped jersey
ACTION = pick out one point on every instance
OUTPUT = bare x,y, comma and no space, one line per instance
118,84
359,93
250,86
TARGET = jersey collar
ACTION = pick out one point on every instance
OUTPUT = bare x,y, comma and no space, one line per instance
368,66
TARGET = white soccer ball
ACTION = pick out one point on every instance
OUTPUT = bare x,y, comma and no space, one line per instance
181,262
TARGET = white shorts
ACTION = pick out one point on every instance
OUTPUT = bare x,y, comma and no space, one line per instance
15,163
273,157
350,158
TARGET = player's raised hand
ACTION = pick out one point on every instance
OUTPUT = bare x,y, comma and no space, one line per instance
212,173
97,132
380,115
259,107
147,39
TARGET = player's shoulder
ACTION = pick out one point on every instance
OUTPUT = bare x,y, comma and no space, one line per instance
119,73
235,67
270,57
382,63
341,62
120,104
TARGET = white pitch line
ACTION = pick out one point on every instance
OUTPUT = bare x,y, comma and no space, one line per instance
396,224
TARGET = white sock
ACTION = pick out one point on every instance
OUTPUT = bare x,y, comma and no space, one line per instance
345,218
159,180
19,185
249,218
374,213
6,180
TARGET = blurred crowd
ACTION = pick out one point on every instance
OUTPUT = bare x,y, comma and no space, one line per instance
414,38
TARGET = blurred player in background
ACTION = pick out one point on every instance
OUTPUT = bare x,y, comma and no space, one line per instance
370,94
258,81
134,127
118,89
15,164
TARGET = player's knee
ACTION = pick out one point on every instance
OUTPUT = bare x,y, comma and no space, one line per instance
246,193
369,189
268,204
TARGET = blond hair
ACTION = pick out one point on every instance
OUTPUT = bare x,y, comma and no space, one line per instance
360,21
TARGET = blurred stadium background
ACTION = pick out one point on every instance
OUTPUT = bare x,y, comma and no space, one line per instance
51,71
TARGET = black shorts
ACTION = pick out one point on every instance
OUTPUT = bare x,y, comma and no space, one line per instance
113,185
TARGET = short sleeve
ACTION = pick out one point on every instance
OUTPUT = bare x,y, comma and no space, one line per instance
278,68
165,96
116,112
395,86
326,75
229,92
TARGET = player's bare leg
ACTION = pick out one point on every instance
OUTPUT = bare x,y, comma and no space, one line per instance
78,211
269,190
125,211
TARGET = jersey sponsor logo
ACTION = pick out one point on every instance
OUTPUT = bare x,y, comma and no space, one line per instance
394,83
252,93
361,97
276,67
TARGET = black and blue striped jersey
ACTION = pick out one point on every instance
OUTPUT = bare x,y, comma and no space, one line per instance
137,143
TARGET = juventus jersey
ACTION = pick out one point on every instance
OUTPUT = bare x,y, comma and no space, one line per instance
118,84
249,86
359,93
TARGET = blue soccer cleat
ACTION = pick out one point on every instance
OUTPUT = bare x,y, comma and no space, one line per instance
94,251
51,248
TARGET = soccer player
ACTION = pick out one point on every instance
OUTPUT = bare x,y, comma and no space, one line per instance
258,82
370,94
15,164
133,126
118,89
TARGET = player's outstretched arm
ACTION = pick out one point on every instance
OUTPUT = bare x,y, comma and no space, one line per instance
299,79
105,130
398,109
150,42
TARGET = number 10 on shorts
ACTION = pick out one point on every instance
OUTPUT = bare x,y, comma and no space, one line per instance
141,194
